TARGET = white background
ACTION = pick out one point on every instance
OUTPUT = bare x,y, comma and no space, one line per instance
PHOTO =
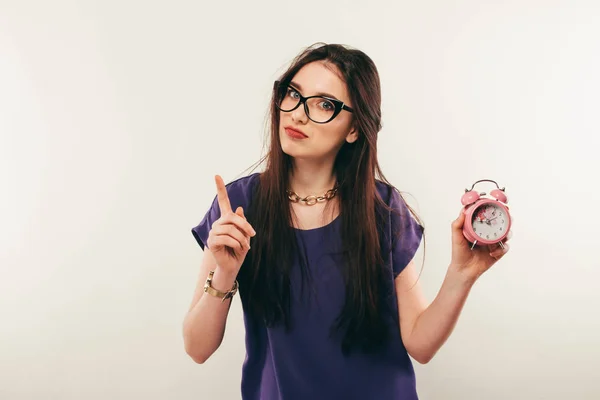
115,117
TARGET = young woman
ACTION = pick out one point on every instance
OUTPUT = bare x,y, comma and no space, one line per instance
321,247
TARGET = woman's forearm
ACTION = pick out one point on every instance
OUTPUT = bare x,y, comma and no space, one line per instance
204,325
435,324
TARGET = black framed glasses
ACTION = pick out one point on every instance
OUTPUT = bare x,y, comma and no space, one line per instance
319,109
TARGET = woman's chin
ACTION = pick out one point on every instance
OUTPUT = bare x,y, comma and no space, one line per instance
290,151
290,147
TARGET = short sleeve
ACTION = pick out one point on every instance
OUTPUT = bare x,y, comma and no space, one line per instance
239,192
406,233
201,230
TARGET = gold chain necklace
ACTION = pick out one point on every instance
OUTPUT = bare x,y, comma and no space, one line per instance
312,199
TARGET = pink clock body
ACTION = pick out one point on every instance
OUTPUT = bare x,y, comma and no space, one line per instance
487,219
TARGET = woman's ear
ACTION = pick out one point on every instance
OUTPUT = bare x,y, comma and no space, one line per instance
352,136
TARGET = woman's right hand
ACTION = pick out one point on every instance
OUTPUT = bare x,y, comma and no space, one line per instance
229,237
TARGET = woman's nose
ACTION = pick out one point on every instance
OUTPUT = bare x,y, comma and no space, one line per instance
299,114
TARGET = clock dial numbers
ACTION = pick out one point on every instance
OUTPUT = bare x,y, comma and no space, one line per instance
489,222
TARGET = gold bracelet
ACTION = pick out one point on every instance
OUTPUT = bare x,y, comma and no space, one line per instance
217,293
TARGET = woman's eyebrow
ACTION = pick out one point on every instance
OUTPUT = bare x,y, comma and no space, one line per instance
318,94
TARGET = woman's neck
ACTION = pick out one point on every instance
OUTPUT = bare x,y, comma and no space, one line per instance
308,180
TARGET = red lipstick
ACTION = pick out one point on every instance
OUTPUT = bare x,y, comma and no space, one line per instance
295,133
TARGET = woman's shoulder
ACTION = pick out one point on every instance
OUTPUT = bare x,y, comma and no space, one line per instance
240,190
386,192
394,200
244,184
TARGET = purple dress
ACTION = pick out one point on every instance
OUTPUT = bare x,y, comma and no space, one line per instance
306,363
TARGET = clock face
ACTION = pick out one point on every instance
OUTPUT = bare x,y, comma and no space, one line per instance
489,222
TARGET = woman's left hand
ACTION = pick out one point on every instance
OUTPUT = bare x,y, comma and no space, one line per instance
473,263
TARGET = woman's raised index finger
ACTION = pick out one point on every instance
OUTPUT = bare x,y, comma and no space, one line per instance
222,197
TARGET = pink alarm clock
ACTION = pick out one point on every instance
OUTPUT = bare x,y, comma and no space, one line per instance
487,220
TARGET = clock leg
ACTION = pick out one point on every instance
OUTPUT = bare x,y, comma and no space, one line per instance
501,245
474,243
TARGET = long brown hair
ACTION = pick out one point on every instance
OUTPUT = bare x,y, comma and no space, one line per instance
265,276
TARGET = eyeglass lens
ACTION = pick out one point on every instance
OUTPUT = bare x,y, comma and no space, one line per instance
319,108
